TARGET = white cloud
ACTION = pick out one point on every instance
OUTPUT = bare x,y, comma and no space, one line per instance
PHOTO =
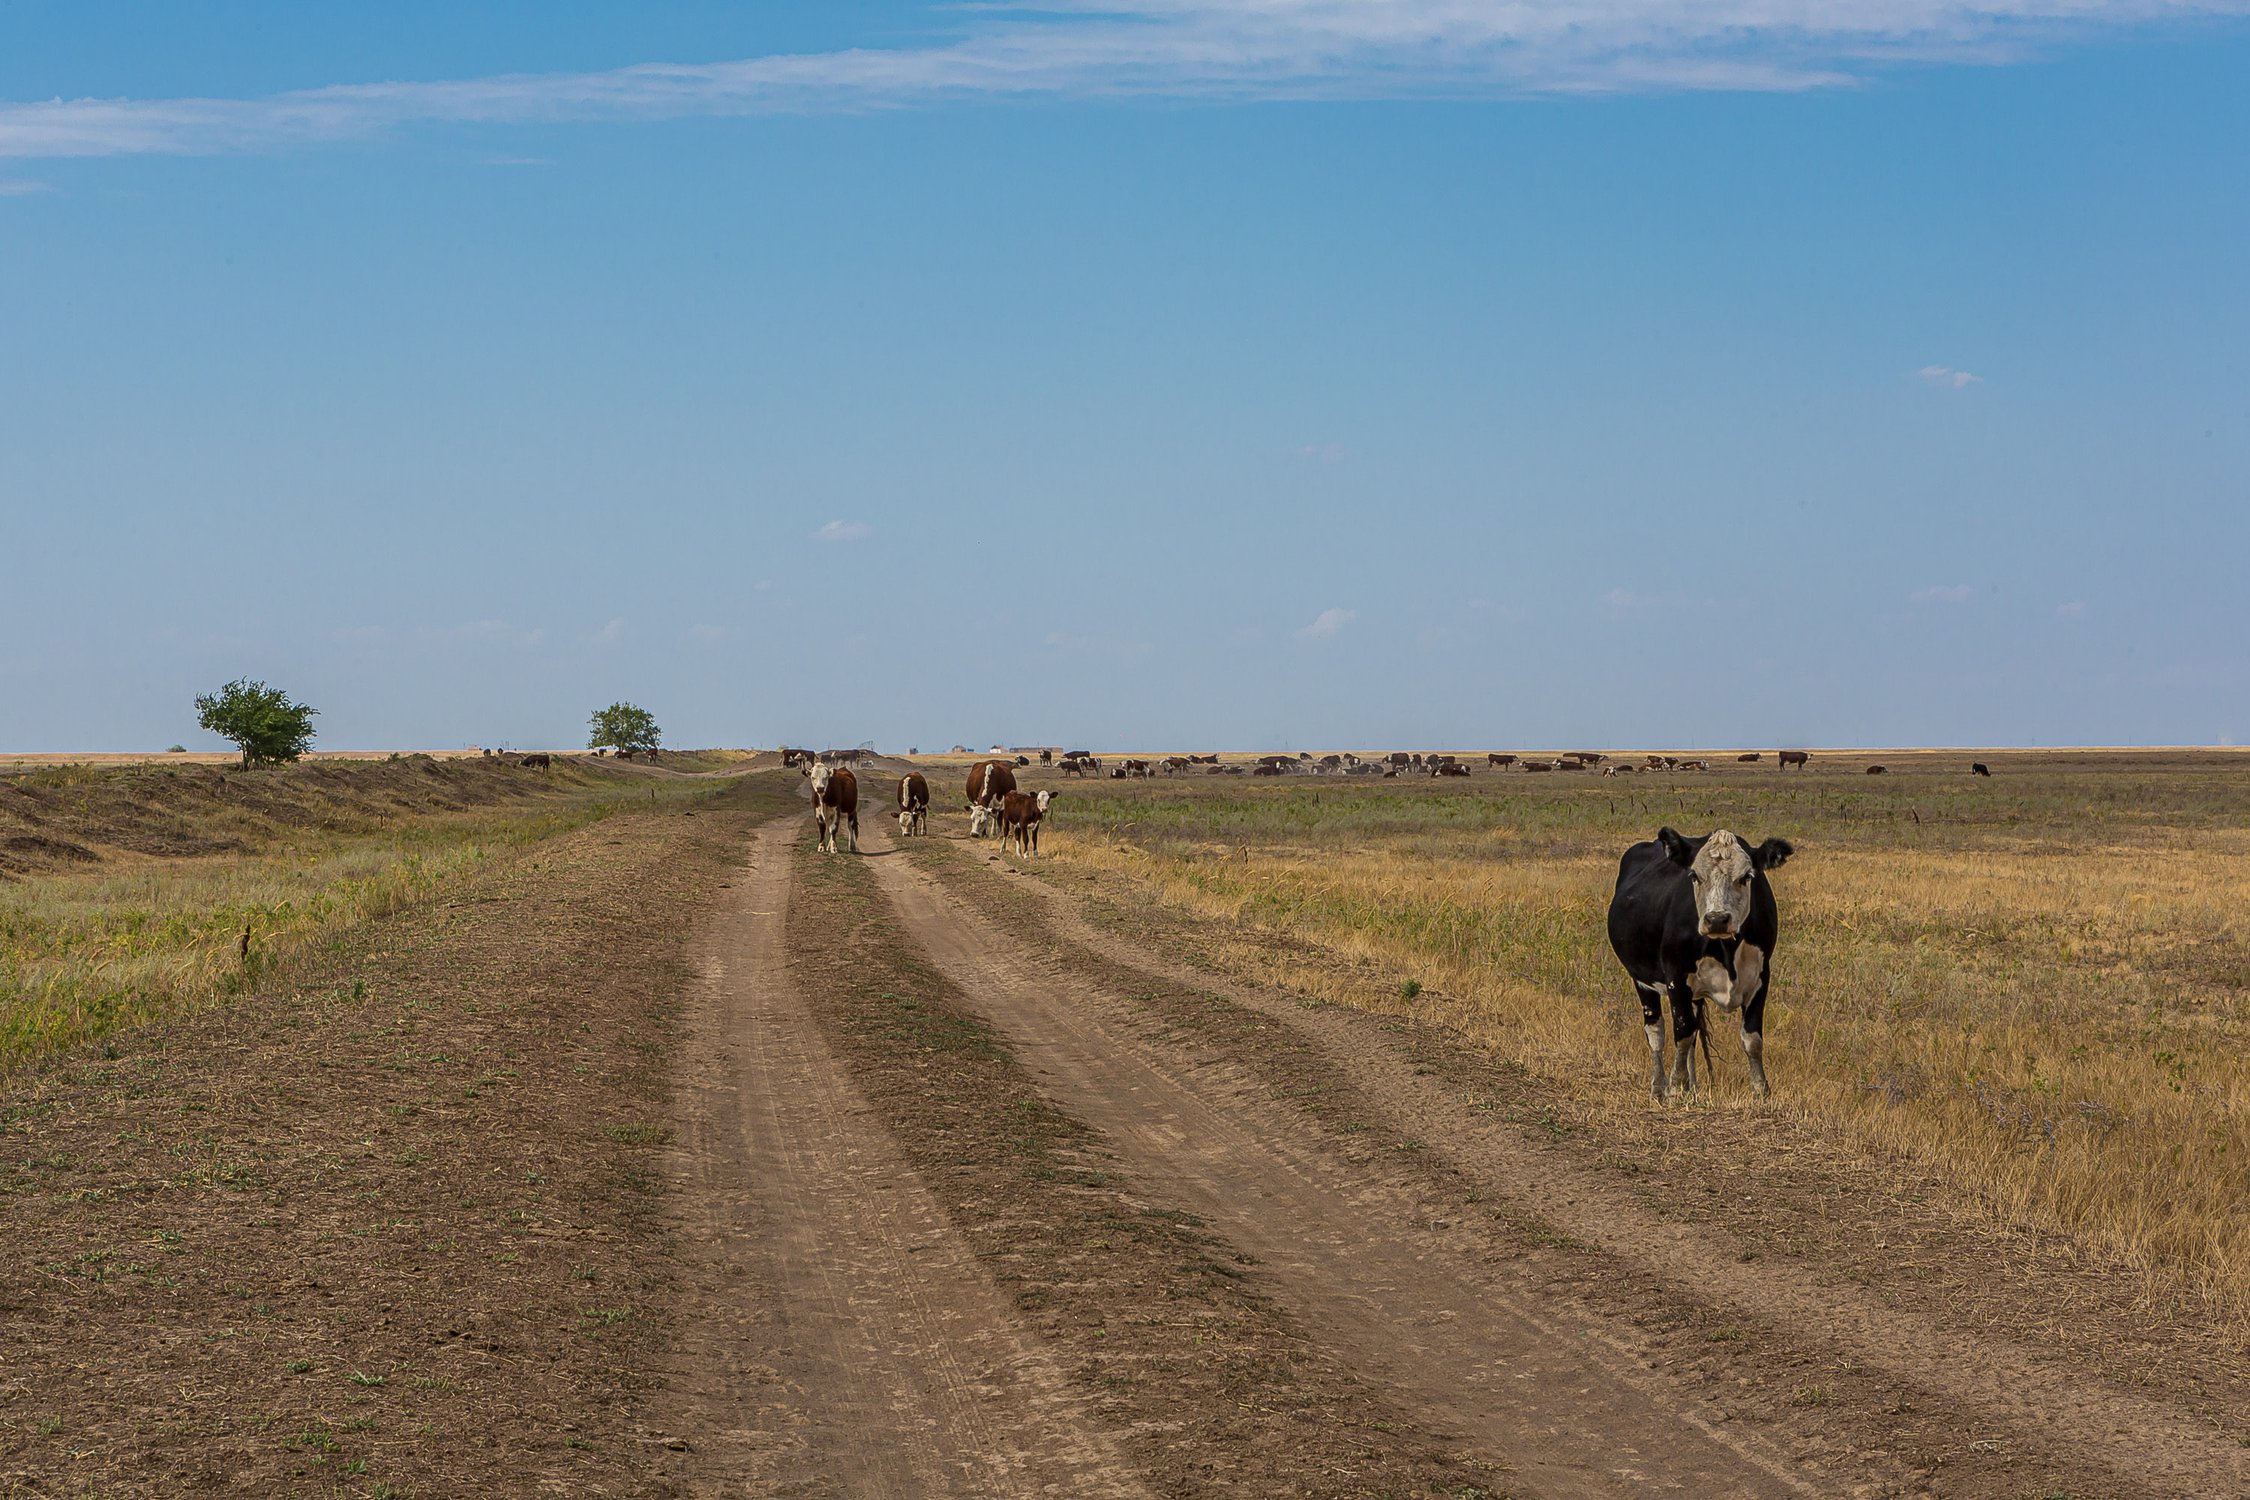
1327,624
1952,380
1943,593
610,634
2074,610
22,187
1234,49
1323,453
843,531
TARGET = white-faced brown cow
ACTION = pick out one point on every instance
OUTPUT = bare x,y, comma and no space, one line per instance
835,793
989,781
913,804
1020,816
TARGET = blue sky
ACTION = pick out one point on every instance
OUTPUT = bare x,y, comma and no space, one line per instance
1186,373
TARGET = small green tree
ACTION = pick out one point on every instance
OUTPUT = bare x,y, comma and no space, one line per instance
269,728
621,726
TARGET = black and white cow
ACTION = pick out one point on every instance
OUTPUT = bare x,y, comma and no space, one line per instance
1695,920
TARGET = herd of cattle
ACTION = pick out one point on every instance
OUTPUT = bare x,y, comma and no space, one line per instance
1693,920
994,802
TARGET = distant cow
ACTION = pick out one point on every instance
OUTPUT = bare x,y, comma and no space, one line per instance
1589,757
1790,758
1878,770
1175,764
791,757
1046,757
1449,768
1695,920
1020,815
989,781
1979,768
1399,758
913,803
536,762
1539,765
835,793
1076,766
1138,768
1499,760
1753,755
1265,770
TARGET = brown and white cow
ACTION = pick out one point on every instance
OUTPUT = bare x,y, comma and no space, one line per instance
913,803
1020,815
835,794
989,781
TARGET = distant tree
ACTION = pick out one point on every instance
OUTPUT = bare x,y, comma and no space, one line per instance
269,728
621,726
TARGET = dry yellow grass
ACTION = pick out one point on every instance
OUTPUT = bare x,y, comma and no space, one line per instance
2041,993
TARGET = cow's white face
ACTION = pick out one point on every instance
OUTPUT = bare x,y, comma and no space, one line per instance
1043,798
905,821
1723,871
979,816
820,774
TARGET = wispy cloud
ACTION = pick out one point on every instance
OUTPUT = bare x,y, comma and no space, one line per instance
1943,593
610,634
844,531
22,187
1231,49
1951,379
1322,453
1327,624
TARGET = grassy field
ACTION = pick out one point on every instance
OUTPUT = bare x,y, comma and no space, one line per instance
140,892
2037,985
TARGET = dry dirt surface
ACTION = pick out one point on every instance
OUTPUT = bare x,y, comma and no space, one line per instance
675,1158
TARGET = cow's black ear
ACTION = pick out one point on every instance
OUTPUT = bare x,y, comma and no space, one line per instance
1772,854
1681,850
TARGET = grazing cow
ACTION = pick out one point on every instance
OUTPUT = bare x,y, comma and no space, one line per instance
989,781
536,762
835,795
1499,760
1332,762
1204,760
1753,755
1878,770
1695,920
1979,768
1020,814
1077,767
913,803
1590,757
1175,764
1790,758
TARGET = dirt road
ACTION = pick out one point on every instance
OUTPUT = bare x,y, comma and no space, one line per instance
1373,1285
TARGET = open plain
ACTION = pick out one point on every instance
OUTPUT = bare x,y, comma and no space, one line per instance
591,1133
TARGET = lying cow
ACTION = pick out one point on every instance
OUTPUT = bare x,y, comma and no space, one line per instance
989,781
913,803
1020,815
835,795
1695,920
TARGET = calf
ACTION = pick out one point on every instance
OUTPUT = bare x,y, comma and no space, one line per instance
913,803
1979,768
835,795
1695,920
1790,758
1020,813
989,781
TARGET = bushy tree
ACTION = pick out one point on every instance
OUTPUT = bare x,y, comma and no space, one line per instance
269,728
621,726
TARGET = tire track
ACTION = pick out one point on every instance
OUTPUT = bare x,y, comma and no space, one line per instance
840,1337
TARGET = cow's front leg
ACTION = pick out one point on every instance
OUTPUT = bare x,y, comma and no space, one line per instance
1687,1021
1652,1023
1754,1019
